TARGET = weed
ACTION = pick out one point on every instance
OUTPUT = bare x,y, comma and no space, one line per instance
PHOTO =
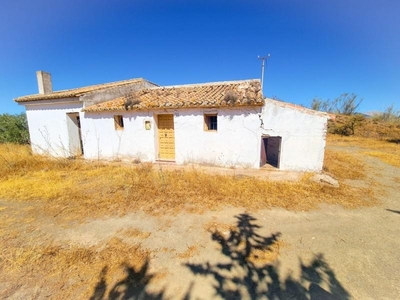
90,189
385,150
48,265
343,165
136,233
390,158
190,252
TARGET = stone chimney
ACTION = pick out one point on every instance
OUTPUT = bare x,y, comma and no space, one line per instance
44,82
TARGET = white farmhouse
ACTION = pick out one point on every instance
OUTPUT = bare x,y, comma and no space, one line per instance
226,124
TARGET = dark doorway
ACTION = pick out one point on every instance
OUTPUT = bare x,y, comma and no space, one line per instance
74,134
270,151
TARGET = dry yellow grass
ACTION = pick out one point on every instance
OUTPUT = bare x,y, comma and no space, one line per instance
47,266
190,252
266,255
389,158
387,151
343,165
221,228
136,233
77,189
85,189
259,256
371,128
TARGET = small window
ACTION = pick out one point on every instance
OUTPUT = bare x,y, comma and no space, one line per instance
118,122
210,122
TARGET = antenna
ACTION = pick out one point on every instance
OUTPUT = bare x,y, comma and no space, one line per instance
263,59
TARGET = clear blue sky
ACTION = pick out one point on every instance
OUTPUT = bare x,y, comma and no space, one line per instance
318,48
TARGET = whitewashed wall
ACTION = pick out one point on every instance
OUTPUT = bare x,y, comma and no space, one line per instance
102,140
236,142
48,126
303,135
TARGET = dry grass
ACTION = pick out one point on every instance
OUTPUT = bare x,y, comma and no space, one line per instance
136,233
370,128
389,158
190,252
80,189
343,165
46,267
77,189
387,151
223,228
261,257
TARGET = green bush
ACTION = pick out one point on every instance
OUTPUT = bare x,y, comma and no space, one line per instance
348,127
14,129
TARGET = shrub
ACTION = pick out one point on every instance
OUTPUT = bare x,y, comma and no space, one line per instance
345,104
347,128
14,129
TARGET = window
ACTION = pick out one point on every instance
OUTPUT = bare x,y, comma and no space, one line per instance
118,122
210,122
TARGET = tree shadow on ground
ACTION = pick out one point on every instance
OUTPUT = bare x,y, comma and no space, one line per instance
395,141
132,286
248,276
393,211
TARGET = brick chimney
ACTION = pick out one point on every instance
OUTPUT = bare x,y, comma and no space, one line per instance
44,82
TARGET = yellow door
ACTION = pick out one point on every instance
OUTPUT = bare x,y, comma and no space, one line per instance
166,137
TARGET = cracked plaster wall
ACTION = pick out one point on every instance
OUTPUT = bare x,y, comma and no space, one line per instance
48,129
303,136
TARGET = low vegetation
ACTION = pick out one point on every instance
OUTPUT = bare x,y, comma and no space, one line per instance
387,150
14,129
361,126
345,104
74,190
45,267
90,189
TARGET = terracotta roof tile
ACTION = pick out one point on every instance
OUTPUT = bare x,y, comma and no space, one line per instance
76,92
215,94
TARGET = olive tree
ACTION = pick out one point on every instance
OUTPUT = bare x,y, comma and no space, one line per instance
14,129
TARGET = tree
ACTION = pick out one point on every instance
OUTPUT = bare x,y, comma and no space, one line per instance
390,114
345,104
14,129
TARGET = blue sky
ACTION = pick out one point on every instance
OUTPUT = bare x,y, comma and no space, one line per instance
318,48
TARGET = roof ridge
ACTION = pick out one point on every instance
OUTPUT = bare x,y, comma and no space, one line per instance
81,90
204,84
101,84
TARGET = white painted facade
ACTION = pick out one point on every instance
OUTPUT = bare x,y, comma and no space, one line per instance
236,143
303,134
50,129
283,135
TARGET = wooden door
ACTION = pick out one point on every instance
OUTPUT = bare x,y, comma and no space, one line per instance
166,137
263,158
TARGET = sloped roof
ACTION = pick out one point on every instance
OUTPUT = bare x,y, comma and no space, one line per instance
77,91
214,94
299,108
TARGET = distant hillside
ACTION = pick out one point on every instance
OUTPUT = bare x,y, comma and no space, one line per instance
359,125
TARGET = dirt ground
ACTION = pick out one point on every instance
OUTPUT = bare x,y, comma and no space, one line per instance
328,253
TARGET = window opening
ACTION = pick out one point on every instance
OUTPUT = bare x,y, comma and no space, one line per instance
210,122
118,122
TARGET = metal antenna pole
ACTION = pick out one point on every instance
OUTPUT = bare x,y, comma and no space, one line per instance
263,59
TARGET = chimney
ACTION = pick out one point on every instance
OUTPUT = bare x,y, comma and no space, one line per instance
44,82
